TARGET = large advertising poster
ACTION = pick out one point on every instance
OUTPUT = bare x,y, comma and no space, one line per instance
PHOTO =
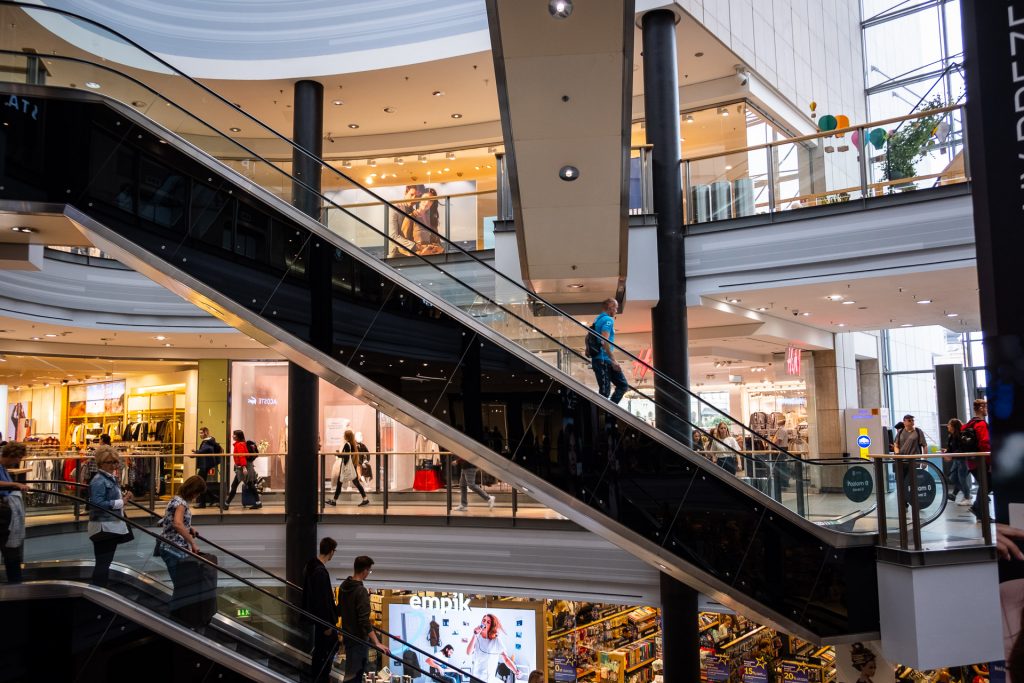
495,644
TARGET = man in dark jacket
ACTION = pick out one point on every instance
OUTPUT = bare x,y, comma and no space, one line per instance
318,600
354,608
207,447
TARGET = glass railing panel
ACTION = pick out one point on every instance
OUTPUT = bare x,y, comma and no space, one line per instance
728,186
919,152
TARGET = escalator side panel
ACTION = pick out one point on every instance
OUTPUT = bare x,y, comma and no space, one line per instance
186,222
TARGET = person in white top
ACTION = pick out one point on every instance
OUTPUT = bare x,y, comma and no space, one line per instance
488,650
726,444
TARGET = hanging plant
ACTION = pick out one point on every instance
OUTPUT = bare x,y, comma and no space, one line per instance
908,144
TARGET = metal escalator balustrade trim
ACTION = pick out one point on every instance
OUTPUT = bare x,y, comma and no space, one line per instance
324,165
621,533
121,606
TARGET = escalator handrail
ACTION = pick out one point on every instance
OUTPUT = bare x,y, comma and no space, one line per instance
529,294
159,539
199,558
157,515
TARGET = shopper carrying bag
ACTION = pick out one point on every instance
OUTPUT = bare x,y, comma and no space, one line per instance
107,528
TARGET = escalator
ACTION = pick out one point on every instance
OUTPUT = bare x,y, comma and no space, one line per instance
415,340
257,632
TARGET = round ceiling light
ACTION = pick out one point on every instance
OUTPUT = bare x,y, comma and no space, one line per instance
568,173
353,126
92,84
560,9
389,110
235,129
456,116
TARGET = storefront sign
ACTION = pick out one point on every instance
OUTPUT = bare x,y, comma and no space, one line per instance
717,669
564,671
858,484
457,601
262,401
24,105
754,670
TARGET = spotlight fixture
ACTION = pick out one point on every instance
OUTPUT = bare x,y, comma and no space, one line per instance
805,313
952,315
389,110
139,104
456,116
834,297
346,164
422,158
906,325
438,93
51,334
235,129
353,126
762,309
399,161
841,325
575,285
924,301
371,162
560,9
734,300
849,302
723,111
449,155
160,337
569,173
24,229
688,118
92,84
338,103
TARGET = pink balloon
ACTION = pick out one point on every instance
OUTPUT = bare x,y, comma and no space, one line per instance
855,138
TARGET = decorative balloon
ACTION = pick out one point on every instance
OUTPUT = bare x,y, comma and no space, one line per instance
877,138
842,121
813,106
827,123
855,139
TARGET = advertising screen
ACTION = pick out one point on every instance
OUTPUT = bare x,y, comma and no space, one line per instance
494,644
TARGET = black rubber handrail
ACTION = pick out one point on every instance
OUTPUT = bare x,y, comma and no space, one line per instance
308,615
585,330
157,515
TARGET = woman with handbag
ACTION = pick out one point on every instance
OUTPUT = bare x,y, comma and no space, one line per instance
349,458
177,526
106,502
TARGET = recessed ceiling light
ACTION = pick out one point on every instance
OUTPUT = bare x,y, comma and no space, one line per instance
952,315
576,285
560,9
698,54
449,155
22,228
399,161
160,337
338,103
138,103
346,164
438,93
353,126
689,118
728,167
849,302
834,297
168,344
841,325
723,111
734,301
924,301
423,158
805,313
37,338
762,308
569,173
456,116
235,129
389,110
906,325
51,334
92,84
446,169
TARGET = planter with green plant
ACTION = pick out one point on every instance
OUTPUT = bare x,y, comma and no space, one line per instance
908,144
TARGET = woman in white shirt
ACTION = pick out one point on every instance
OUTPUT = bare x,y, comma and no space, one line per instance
726,445
488,650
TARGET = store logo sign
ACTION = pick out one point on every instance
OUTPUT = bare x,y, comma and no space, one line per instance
262,401
24,105
457,601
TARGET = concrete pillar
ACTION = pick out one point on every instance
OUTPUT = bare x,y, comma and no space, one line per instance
832,378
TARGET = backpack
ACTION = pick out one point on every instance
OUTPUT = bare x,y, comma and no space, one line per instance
594,342
250,446
217,448
968,438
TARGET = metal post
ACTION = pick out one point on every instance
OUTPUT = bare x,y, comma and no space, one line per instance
883,522
770,153
515,504
447,221
320,484
448,487
801,493
386,486
688,194
915,504
668,317
901,502
981,469
152,483
963,138
862,156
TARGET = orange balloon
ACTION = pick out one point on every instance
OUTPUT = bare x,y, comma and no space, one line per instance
842,121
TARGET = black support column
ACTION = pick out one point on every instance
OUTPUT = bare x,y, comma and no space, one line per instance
668,318
681,646
994,57
301,475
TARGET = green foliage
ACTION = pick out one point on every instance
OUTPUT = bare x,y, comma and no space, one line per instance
909,144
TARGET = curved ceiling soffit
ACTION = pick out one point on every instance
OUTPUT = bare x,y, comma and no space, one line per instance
270,39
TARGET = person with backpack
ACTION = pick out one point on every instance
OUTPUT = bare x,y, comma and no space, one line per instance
245,471
600,337
975,439
958,473
910,441
207,448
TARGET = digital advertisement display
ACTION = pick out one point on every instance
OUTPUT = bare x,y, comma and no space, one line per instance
494,644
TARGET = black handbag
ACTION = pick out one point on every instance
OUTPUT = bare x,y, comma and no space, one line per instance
111,536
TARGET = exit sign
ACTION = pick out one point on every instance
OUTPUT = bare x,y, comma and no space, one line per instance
243,612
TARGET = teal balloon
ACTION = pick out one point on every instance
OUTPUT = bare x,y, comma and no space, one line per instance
827,122
877,137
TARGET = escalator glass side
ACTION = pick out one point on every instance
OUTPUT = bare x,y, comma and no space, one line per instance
293,279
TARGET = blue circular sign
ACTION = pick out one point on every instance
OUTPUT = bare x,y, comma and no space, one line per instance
864,441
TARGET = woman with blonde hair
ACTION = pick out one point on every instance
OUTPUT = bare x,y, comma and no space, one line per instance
726,445
106,505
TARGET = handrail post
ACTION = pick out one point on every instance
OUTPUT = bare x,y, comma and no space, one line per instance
901,502
320,484
981,468
915,503
448,488
963,138
883,522
152,483
862,156
515,504
769,150
447,221
687,194
386,484
801,493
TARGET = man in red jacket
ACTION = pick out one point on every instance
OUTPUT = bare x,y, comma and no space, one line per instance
980,427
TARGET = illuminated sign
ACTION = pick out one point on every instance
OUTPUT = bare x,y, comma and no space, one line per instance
23,105
243,613
262,401
457,601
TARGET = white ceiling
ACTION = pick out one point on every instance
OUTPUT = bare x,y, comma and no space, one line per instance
27,370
